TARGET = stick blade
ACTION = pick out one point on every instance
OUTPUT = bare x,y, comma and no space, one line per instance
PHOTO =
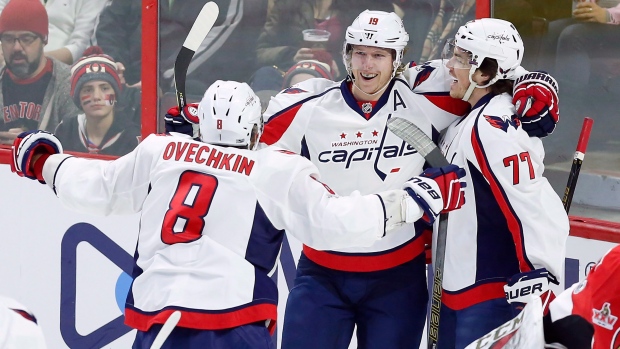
412,134
203,24
199,31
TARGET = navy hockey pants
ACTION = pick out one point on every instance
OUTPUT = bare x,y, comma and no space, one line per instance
459,328
388,307
251,336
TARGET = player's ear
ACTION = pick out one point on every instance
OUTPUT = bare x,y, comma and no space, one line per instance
481,78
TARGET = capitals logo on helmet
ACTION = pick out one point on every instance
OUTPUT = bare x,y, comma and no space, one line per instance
492,38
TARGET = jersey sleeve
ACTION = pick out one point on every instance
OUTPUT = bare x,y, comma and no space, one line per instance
312,212
285,121
432,81
512,164
103,187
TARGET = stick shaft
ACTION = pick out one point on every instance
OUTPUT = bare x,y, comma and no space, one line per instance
415,137
573,175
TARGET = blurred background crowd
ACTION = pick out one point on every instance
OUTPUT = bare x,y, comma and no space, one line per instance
73,67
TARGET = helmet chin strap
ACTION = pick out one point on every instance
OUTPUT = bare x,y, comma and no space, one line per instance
473,85
370,94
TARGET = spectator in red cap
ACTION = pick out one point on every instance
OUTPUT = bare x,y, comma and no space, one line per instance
101,128
305,70
34,90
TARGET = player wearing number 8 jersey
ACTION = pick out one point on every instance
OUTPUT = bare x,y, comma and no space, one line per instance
212,218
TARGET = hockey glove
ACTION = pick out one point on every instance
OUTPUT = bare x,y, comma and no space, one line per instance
26,146
535,96
182,122
522,285
437,190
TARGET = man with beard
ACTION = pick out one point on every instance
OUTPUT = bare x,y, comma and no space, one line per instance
34,89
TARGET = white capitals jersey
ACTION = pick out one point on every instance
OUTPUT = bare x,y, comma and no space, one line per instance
321,120
512,220
211,225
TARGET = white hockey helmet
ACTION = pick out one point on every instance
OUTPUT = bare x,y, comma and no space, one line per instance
228,113
492,38
376,29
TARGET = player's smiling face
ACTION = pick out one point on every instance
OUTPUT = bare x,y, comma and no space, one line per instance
372,70
458,66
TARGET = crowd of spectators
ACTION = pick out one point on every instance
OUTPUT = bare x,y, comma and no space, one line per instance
261,42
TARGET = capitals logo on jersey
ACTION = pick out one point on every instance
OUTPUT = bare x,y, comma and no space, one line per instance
425,71
603,317
369,147
501,123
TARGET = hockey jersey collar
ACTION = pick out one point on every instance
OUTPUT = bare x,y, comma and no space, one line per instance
352,102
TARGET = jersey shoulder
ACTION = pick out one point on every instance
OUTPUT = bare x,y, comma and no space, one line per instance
282,162
431,76
298,93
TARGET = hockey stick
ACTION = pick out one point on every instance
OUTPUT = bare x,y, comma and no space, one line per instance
582,144
166,329
203,24
411,134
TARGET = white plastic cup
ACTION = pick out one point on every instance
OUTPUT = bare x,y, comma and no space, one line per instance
317,38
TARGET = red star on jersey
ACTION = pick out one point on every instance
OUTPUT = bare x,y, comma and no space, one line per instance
375,133
343,135
358,134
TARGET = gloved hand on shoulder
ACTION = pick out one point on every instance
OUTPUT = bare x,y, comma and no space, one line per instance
535,96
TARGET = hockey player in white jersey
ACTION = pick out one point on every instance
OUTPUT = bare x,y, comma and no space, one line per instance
213,217
509,238
341,128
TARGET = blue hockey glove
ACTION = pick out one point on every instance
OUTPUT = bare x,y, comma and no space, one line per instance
182,122
26,146
535,96
521,286
437,190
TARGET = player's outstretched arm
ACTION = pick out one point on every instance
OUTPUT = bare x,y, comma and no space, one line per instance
29,152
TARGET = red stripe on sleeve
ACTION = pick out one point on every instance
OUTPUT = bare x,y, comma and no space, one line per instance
276,127
449,104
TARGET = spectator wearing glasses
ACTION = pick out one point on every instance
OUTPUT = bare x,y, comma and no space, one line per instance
34,89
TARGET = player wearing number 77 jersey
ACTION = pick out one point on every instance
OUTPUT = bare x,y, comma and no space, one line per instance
509,238
213,218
